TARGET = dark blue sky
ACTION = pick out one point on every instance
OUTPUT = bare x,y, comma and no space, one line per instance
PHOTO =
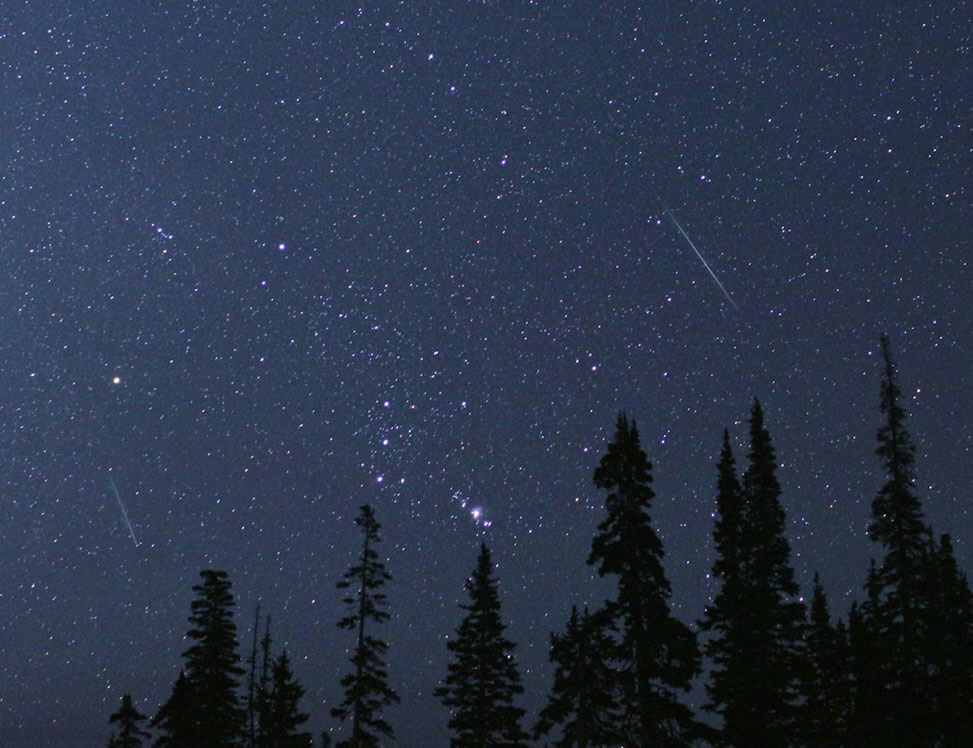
261,263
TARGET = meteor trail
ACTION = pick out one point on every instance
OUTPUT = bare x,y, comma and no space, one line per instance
705,264
128,524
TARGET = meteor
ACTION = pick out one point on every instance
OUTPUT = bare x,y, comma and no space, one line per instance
121,506
702,260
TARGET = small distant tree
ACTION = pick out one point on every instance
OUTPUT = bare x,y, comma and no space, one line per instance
582,699
252,692
482,680
263,684
282,715
177,718
656,654
129,734
367,691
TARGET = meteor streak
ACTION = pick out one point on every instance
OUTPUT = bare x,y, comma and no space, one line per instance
702,260
128,524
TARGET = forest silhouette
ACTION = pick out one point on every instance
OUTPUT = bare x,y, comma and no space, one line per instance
897,671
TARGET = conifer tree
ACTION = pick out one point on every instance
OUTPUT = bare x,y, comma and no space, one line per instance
282,715
177,718
825,686
657,654
757,619
482,680
899,615
582,698
367,691
204,704
127,718
776,615
725,619
263,682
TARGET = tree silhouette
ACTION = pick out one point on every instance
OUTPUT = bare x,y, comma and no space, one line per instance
482,680
177,718
582,698
204,705
898,617
656,653
263,683
756,619
366,688
282,715
775,616
127,718
725,618
824,684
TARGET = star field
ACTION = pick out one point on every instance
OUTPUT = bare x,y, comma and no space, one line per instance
261,263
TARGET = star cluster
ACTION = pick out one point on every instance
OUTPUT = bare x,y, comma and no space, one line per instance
262,263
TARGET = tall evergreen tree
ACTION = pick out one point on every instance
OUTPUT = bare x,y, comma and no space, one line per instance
282,715
367,691
127,718
207,697
775,614
825,686
482,681
899,613
657,654
756,619
725,619
582,699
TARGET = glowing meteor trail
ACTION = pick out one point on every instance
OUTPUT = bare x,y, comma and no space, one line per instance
128,524
702,260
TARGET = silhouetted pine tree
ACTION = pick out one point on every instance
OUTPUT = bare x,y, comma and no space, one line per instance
282,715
263,683
127,718
825,687
177,718
900,608
775,614
482,680
582,698
657,654
757,618
725,619
915,628
212,671
366,688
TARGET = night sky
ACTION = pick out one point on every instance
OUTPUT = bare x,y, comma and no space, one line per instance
261,263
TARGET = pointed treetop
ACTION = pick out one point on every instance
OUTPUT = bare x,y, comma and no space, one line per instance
624,463
897,516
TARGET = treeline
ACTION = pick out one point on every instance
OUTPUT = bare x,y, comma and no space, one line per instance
897,672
